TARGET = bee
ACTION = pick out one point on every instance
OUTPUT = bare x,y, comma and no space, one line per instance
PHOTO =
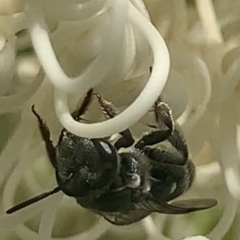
122,186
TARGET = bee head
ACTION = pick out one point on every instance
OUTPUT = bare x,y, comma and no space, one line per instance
86,167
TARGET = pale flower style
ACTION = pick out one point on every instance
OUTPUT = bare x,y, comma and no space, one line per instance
110,45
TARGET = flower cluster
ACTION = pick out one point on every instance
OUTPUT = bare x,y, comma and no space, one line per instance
53,51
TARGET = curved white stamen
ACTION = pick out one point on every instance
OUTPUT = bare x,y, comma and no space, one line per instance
76,12
101,65
199,89
68,31
141,7
229,152
48,216
7,62
140,106
226,220
15,144
16,101
95,232
153,231
230,165
224,137
9,221
208,19
3,42
210,172
228,82
180,20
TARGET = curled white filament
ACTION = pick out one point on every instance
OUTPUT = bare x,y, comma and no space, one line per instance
101,65
140,106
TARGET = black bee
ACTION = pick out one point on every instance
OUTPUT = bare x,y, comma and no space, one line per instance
123,187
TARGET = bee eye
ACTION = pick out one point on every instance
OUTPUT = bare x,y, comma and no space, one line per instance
105,150
106,147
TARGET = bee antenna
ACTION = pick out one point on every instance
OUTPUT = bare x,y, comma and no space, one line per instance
32,200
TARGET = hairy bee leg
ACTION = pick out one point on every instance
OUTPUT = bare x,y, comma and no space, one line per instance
125,141
175,166
108,110
45,133
183,185
164,119
179,143
164,114
79,112
87,100
153,138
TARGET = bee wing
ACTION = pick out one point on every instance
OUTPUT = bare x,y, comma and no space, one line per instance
196,204
177,207
161,207
125,218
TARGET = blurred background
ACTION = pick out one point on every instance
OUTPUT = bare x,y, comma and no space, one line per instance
203,39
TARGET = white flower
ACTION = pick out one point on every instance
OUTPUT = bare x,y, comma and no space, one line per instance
110,45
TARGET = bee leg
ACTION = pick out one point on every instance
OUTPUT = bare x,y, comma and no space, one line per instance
164,119
126,140
152,138
163,115
183,184
172,164
79,112
163,161
45,133
176,165
87,100
178,142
